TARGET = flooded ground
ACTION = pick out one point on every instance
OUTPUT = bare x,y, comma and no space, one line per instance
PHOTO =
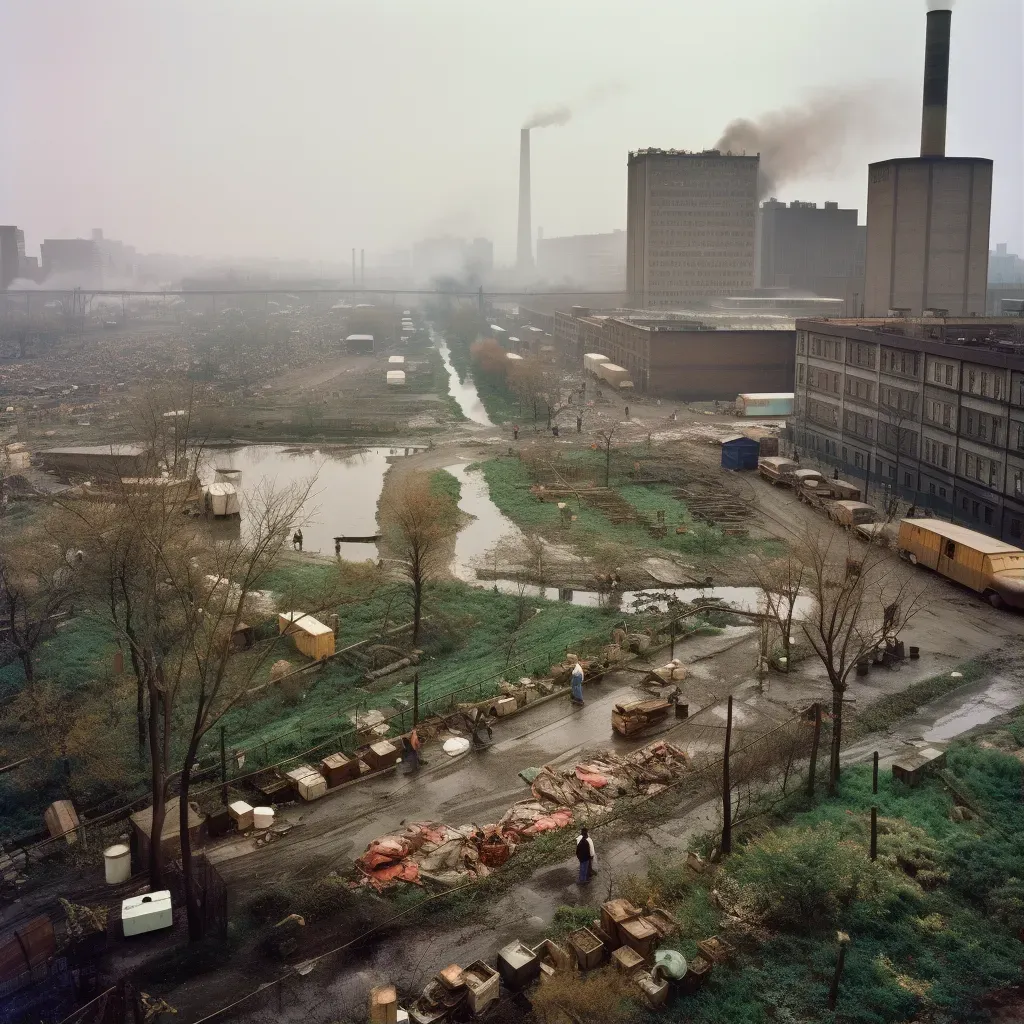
973,706
345,487
488,528
463,391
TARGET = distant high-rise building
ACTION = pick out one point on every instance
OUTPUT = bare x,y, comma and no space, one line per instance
77,259
12,254
1003,267
809,249
594,260
690,226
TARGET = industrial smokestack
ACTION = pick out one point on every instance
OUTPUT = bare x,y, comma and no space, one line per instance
362,268
524,244
936,83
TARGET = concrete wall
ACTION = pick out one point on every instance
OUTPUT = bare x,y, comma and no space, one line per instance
928,230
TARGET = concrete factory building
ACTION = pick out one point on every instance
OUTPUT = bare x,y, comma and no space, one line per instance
928,216
811,250
690,227
930,407
699,357
597,261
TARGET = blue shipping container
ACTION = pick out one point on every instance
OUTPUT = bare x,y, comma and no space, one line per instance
740,452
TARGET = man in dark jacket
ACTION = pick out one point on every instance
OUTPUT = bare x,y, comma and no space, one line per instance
585,855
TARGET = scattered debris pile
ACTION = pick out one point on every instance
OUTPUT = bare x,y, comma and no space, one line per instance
451,855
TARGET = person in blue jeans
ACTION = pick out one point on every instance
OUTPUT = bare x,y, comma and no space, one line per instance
585,855
576,682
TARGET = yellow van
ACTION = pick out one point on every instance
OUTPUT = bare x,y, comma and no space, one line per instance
988,566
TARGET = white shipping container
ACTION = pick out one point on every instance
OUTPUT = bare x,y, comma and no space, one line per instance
396,378
592,360
613,374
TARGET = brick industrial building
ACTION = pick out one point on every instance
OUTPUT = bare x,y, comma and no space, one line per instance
931,407
690,226
684,357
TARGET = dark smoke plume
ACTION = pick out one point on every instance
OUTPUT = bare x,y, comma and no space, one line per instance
803,140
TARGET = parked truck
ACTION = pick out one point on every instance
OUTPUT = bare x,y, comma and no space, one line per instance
988,566
592,361
617,376
776,469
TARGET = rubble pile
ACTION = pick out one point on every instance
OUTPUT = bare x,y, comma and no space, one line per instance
452,855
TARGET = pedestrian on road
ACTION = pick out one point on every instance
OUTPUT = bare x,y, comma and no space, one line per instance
585,855
579,424
554,430
627,412
576,682
411,752
297,540
515,432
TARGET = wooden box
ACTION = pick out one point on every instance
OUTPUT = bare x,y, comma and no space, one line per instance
382,755
482,983
241,814
383,1005
311,785
641,935
613,913
588,948
337,768
627,960
62,820
505,706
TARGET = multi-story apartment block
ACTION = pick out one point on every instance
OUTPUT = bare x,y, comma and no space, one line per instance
690,226
930,408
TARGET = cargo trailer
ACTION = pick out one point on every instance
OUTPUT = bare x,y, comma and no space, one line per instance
767,403
776,469
592,361
988,566
615,375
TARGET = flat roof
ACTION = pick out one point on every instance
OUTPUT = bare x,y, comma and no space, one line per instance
767,395
306,622
360,337
961,535
97,449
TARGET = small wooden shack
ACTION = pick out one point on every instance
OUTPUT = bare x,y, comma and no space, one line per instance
312,637
170,837
911,768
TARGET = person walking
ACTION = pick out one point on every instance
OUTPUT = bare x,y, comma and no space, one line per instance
627,412
411,752
515,432
297,540
576,682
579,424
585,855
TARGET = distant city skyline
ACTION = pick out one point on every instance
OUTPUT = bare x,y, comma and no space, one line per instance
246,130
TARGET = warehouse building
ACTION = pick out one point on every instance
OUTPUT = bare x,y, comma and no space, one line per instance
695,357
930,409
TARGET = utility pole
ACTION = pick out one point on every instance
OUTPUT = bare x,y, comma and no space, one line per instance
814,749
874,773
727,786
223,770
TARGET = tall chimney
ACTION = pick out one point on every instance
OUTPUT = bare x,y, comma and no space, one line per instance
936,84
524,245
362,268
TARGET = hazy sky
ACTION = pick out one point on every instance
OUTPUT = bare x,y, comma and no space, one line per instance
300,128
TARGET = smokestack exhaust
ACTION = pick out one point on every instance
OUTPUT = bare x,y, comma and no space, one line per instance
524,243
936,84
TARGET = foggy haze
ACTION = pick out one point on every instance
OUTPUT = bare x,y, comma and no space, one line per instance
250,128
818,136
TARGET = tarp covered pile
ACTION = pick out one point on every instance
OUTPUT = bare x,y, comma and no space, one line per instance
452,855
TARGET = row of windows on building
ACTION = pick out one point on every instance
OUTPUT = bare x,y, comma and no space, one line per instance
709,264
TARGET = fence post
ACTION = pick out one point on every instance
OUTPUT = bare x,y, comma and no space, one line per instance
727,787
814,749
223,770
415,700
874,773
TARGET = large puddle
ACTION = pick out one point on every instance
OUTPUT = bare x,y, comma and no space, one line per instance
345,489
997,697
489,531
463,391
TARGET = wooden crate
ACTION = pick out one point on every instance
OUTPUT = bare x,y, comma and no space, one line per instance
589,949
337,768
62,820
382,755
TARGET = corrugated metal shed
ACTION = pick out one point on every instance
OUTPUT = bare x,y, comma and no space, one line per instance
740,452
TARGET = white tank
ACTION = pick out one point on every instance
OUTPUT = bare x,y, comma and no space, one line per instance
117,864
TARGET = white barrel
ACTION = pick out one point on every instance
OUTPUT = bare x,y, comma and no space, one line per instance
117,864
262,817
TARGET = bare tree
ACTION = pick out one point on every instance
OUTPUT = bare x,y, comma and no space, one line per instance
418,525
781,581
862,600
39,581
605,439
